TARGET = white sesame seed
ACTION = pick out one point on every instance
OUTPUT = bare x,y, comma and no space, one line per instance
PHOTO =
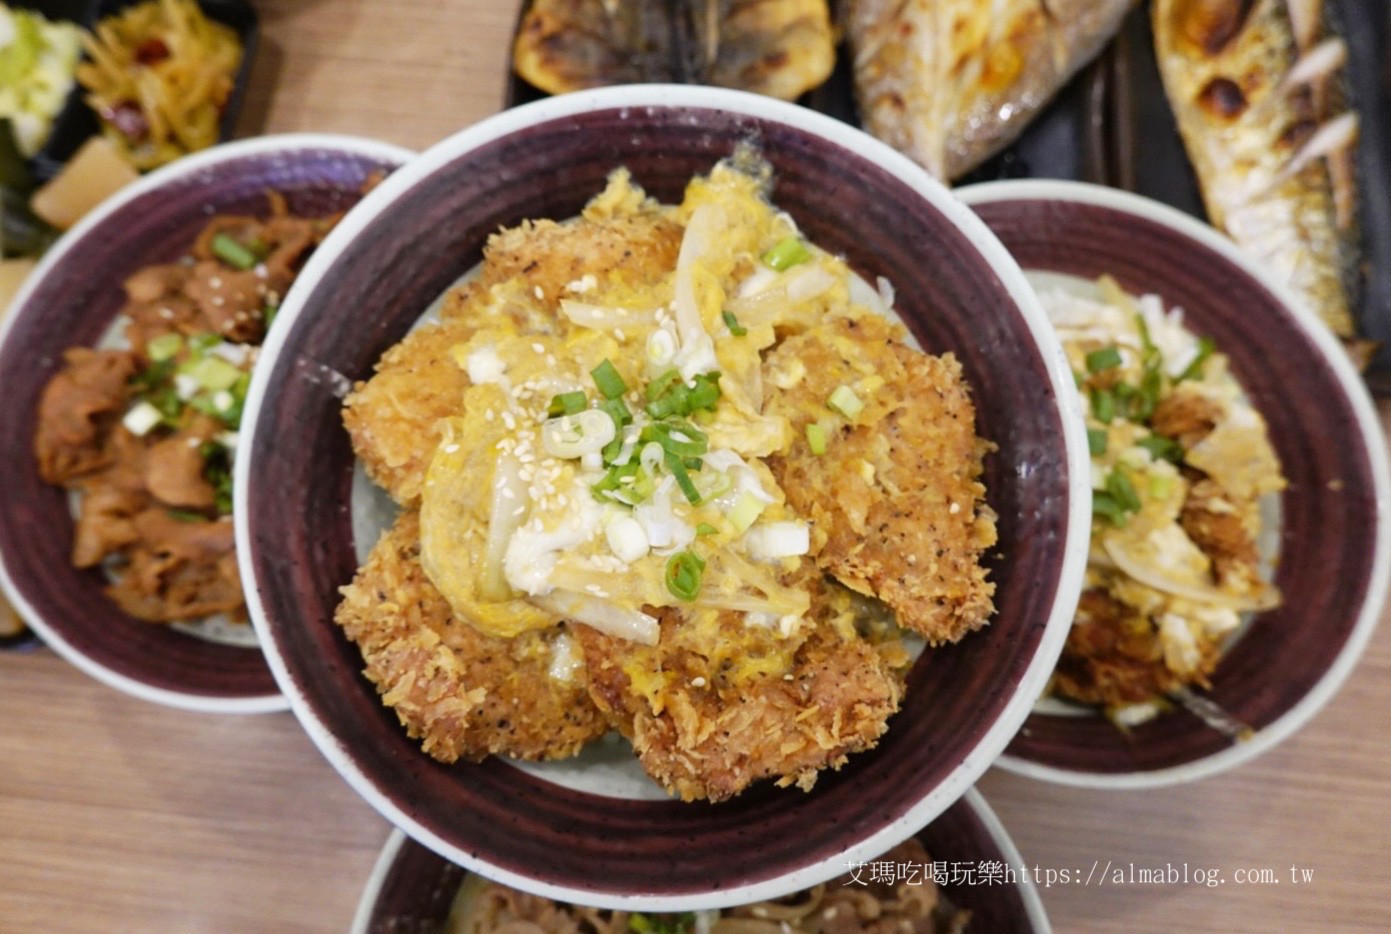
618,333
451,449
955,508
519,511
539,347
697,682
489,415
215,282
539,293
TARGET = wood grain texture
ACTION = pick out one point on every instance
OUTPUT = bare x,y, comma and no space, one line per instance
116,815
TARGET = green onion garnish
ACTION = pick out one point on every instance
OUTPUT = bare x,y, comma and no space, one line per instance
1104,505
1103,405
165,347
731,322
746,511
659,386
844,401
683,478
616,410
1107,358
213,373
816,438
233,253
705,393
1195,369
684,570
608,379
706,528
1162,448
185,515
1096,441
567,403
1123,491
786,254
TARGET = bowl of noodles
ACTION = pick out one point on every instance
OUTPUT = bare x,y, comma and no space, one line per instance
662,530
125,361
1239,560
960,873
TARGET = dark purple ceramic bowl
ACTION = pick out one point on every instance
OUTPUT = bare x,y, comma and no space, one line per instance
73,298
576,834
413,889
1333,552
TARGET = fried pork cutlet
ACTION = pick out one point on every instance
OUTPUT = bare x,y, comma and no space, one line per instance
895,501
462,693
1115,656
712,709
393,417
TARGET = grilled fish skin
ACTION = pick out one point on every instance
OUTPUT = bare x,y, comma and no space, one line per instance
781,48
952,82
1274,170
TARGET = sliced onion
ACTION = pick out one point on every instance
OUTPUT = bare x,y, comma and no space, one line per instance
603,615
1151,576
506,513
577,435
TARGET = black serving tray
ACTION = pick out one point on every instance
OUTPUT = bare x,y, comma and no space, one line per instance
1112,125
76,122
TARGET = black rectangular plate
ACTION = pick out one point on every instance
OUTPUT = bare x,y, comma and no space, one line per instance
1112,125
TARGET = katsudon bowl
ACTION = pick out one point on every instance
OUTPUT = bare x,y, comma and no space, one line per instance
1325,540
595,829
74,298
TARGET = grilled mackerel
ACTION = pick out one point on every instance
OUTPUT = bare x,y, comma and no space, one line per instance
952,82
781,48
1256,90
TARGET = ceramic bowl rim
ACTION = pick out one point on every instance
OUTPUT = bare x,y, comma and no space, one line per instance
973,800
688,98
1370,436
153,181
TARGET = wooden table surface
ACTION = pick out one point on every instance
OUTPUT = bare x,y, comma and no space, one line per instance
117,815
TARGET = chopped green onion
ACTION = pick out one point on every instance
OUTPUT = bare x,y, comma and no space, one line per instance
233,253
1161,486
1162,448
185,515
844,401
616,410
706,528
1103,405
165,347
746,512
213,373
1151,387
786,254
1146,342
1107,358
677,437
659,386
269,312
683,479
609,380
731,322
567,403
705,393
713,483
1123,491
1105,505
1195,369
1096,441
816,438
199,343
684,570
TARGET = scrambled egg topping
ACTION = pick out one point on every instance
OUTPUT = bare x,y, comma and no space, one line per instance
598,474
1180,463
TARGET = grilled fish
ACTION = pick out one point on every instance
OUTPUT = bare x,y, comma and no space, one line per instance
1254,87
952,82
781,48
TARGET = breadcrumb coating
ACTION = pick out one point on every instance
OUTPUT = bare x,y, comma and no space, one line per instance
895,501
464,694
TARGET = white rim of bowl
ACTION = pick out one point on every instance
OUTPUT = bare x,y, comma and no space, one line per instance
979,758
974,800
188,165
1368,424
